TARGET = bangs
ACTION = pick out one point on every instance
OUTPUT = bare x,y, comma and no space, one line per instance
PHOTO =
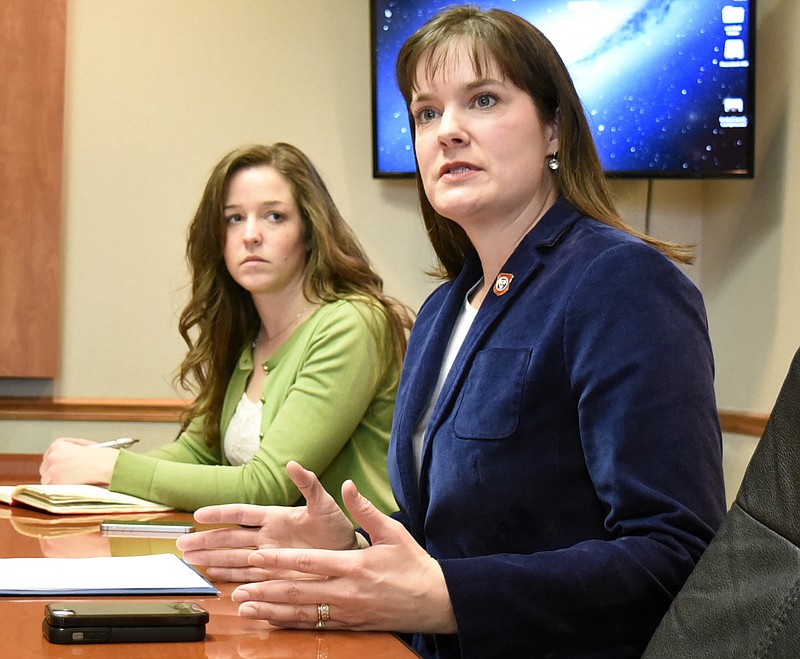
437,52
443,57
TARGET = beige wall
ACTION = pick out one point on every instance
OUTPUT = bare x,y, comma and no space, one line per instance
158,91
751,232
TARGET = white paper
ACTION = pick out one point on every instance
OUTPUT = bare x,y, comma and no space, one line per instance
158,572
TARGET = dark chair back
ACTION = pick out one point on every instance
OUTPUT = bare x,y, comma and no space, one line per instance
743,598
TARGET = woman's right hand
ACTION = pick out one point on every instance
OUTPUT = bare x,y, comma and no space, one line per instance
319,524
67,461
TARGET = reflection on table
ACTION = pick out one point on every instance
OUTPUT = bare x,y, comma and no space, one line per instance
28,533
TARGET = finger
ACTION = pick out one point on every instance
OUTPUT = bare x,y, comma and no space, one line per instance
231,513
300,476
305,562
231,538
280,615
306,591
380,527
317,498
251,574
290,603
77,441
287,617
46,472
219,557
237,575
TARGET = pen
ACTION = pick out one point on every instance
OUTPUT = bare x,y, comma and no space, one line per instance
122,442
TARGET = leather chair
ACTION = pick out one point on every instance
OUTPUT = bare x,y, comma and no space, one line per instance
743,598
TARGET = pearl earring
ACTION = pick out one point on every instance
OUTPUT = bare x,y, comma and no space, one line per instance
552,162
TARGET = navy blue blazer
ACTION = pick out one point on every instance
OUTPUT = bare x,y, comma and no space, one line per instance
571,472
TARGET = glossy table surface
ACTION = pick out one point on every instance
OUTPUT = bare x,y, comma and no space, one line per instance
26,533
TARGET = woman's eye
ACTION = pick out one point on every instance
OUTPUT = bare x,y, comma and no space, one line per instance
425,115
485,101
274,216
233,219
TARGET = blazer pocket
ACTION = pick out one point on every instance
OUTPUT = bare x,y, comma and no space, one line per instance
489,404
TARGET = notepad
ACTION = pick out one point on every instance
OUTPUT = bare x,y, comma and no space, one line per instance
76,499
158,574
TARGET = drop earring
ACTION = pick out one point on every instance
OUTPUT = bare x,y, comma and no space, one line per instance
552,162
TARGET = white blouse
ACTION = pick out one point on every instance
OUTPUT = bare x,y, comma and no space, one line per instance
457,336
243,434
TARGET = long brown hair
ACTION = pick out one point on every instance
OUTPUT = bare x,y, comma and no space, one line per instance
221,318
527,58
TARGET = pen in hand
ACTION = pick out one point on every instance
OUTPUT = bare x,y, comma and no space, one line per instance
122,442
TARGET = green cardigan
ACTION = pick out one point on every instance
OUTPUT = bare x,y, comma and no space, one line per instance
328,401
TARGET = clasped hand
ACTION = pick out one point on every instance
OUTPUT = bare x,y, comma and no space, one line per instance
66,460
295,558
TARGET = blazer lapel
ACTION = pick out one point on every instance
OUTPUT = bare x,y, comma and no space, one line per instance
427,344
429,341
521,266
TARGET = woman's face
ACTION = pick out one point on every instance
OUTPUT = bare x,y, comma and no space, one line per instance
265,249
481,146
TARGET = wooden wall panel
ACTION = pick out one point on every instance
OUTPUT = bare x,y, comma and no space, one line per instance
169,410
32,55
91,409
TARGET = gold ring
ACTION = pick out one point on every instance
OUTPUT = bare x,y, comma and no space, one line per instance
323,612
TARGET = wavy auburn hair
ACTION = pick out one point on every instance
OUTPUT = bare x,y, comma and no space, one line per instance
221,318
526,57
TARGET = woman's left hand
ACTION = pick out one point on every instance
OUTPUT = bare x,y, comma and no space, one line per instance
72,460
393,585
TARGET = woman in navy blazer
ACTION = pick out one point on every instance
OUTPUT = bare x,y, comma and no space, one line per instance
556,452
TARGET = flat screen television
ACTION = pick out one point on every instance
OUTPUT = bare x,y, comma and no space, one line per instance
667,85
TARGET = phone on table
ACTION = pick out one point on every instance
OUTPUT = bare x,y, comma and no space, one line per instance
124,621
145,528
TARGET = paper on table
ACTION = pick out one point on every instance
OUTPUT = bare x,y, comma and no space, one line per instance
61,498
159,574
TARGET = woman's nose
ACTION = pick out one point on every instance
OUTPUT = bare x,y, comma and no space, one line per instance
451,129
252,231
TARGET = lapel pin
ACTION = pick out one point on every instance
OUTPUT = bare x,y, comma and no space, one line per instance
502,283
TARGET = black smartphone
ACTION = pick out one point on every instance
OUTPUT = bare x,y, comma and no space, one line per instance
145,528
124,621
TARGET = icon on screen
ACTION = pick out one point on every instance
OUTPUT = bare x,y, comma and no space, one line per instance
733,104
734,49
732,14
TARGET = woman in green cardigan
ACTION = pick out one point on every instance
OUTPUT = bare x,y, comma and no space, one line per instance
294,351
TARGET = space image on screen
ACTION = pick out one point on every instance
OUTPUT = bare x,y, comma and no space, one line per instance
667,85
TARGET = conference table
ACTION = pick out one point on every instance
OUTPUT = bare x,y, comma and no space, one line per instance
27,533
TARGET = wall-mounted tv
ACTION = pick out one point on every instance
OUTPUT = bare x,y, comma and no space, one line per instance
667,85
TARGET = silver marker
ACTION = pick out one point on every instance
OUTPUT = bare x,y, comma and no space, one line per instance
122,442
